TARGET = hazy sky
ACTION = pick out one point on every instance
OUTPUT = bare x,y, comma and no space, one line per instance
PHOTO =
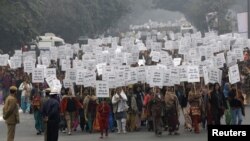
142,11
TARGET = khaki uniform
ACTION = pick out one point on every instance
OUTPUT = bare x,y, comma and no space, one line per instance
11,116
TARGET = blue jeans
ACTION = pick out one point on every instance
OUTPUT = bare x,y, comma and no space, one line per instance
237,116
25,104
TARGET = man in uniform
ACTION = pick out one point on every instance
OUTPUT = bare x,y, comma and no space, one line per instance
10,113
51,114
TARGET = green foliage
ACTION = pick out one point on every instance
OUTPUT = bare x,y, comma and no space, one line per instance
23,20
196,10
20,20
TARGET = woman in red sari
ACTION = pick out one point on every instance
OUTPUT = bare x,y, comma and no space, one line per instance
104,109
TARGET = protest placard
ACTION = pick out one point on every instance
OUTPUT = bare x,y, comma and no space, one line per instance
67,83
102,89
71,75
175,77
38,75
156,78
183,73
234,74
28,66
80,77
193,74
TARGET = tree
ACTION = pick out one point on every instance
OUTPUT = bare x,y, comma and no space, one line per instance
74,18
20,21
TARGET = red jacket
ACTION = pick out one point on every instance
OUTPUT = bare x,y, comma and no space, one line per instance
103,109
64,103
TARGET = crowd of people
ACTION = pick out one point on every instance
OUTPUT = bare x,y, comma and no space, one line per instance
128,108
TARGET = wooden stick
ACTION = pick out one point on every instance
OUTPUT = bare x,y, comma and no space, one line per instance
184,91
194,88
89,90
81,91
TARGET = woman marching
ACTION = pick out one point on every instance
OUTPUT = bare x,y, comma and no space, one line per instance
172,111
26,88
103,109
194,100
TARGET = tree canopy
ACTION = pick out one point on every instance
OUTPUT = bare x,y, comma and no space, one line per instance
23,20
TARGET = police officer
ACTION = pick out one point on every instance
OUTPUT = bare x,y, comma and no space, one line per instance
51,115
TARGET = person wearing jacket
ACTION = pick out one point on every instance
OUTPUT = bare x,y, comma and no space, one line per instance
120,107
11,114
51,115
26,88
194,100
103,109
172,111
69,108
217,104
156,109
237,106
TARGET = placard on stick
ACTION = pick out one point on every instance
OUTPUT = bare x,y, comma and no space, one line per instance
38,75
102,89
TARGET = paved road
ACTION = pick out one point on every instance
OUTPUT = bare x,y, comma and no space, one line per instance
26,132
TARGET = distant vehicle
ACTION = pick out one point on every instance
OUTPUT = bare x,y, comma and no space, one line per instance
49,40
187,28
82,40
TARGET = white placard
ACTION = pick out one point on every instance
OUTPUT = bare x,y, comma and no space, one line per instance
183,73
120,78
65,64
80,77
177,61
239,54
133,76
166,78
49,81
156,56
220,60
168,45
156,78
102,89
234,74
67,84
175,77
15,62
205,75
214,75
141,74
4,59
71,75
50,72
28,66
38,75
89,78
193,74
45,61
57,85
231,59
